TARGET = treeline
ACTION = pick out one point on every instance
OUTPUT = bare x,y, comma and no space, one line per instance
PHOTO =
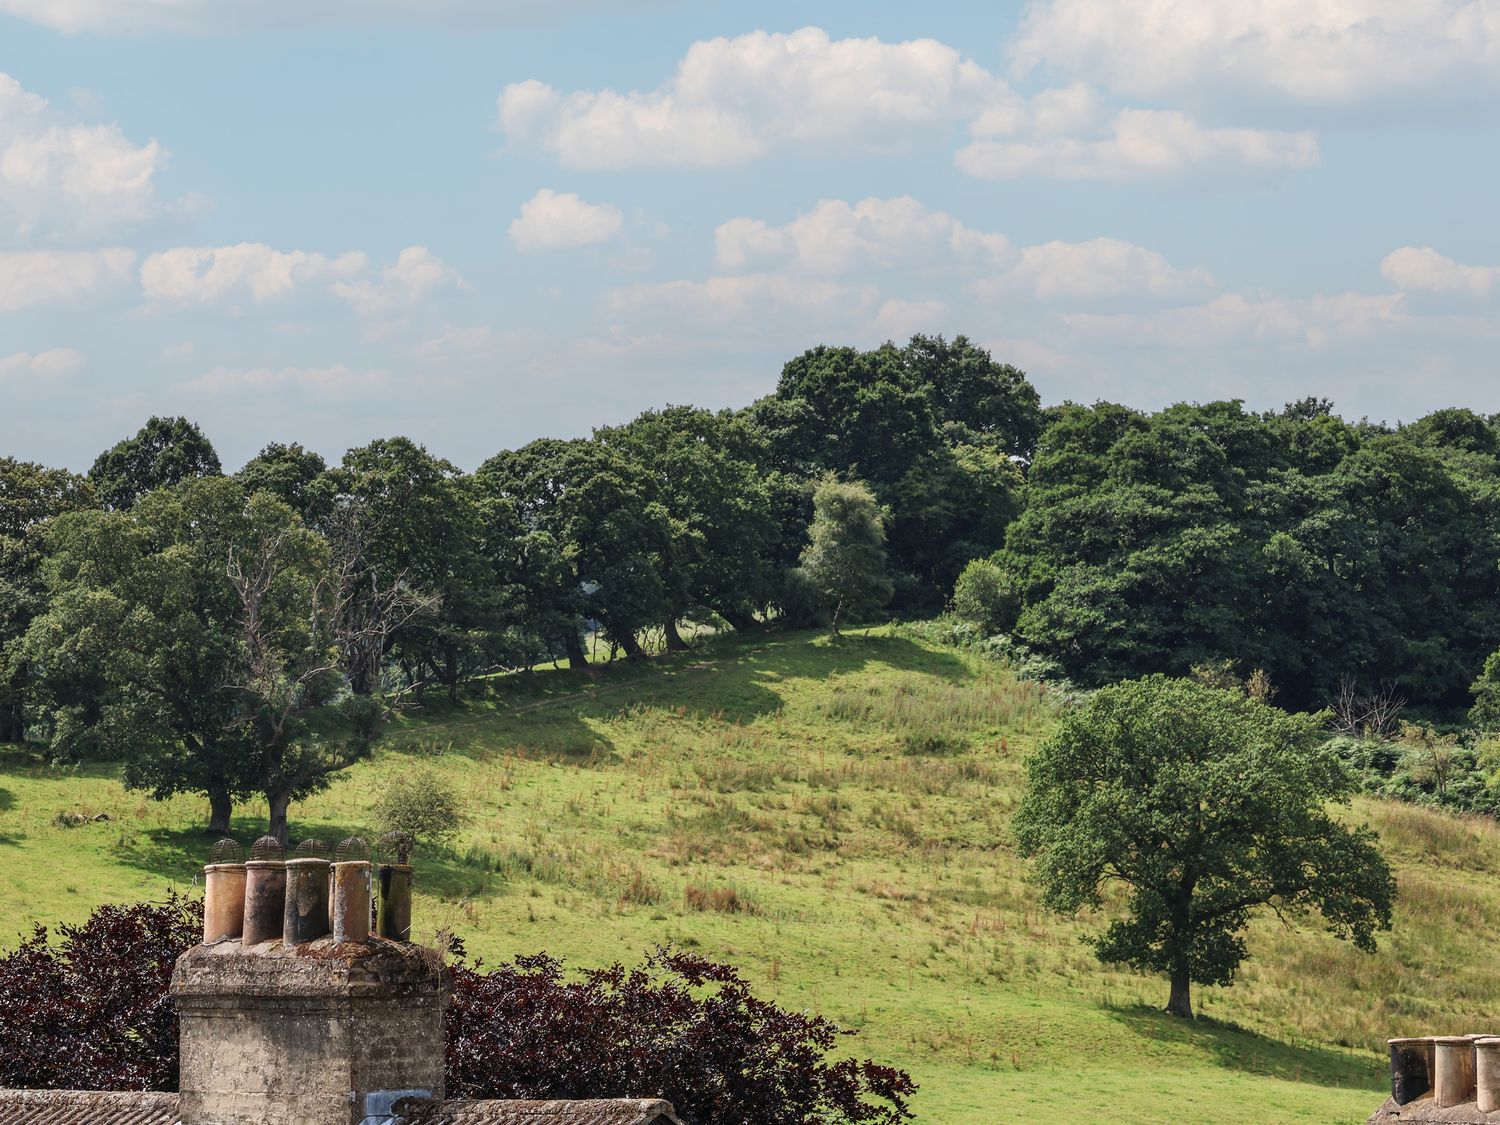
249,633
1337,558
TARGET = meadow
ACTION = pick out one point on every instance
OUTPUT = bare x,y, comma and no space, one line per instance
833,818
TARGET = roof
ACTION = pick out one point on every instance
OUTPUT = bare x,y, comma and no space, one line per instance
84,1107
1423,1110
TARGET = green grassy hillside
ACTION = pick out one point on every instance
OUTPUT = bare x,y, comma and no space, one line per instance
833,819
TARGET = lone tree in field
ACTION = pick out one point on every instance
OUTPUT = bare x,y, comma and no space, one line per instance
1205,804
845,556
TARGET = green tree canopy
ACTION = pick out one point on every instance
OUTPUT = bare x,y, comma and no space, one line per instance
163,452
704,469
1205,805
30,496
140,645
845,556
597,532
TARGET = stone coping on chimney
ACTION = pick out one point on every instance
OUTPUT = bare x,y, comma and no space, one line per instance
1424,1110
323,968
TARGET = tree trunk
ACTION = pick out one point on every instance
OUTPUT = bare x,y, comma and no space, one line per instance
278,803
577,658
675,643
632,647
220,809
13,722
1180,1003
833,623
738,619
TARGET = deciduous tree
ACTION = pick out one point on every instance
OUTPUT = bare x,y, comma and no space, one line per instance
1204,805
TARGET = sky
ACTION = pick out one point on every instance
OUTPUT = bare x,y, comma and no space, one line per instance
478,222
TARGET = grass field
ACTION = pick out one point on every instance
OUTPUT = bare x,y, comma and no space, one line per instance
833,819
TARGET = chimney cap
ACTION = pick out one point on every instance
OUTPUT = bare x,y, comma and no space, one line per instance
351,849
311,848
267,847
226,850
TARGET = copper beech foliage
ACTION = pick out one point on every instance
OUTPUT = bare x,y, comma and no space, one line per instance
91,1010
679,1027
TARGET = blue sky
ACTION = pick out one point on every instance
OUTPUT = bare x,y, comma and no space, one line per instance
482,221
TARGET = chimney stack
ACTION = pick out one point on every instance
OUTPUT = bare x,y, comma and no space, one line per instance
318,1028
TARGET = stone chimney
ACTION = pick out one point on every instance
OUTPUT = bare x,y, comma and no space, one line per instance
311,1030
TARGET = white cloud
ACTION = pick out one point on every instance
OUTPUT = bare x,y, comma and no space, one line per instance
552,220
33,277
416,275
1135,144
207,274
201,274
331,381
1413,269
1234,318
733,100
55,363
836,237
60,178
1326,51
207,16
1098,268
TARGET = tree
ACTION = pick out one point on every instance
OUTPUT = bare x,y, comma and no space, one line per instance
140,644
1205,805
302,611
982,597
420,803
30,497
936,430
297,477
91,1011
417,520
718,551
678,1027
164,452
599,516
845,556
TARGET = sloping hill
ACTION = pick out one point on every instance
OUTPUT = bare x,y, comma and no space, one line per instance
833,818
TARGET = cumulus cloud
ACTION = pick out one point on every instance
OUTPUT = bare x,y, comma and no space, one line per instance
64,179
416,275
331,381
837,237
1098,268
733,100
552,220
203,274
33,277
1326,51
208,274
1135,144
55,363
1425,270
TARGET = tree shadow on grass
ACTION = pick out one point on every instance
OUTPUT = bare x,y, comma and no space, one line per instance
1237,1049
